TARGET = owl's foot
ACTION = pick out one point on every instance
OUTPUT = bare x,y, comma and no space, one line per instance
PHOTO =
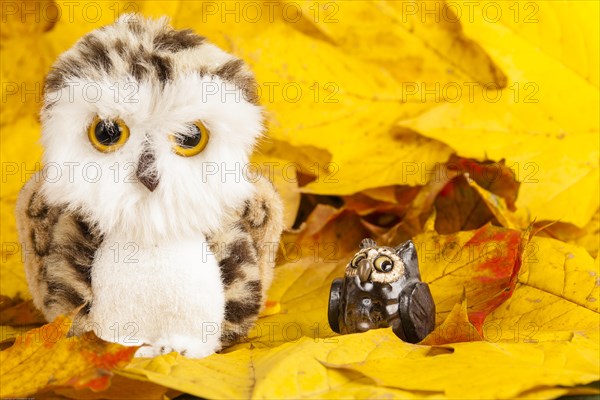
188,346
148,351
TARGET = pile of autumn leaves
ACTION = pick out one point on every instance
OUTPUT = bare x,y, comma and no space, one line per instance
499,194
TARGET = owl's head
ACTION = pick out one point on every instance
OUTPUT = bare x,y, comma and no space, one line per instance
149,129
382,264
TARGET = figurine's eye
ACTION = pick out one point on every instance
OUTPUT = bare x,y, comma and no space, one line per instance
108,135
356,260
383,264
192,142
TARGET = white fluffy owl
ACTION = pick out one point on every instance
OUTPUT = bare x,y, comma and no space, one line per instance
142,217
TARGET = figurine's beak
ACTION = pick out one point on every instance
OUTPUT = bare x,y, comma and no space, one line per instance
365,268
146,169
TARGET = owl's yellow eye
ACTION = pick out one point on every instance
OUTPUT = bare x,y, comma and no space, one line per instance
357,259
383,264
192,142
108,135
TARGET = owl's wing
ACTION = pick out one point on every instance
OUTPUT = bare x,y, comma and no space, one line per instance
262,218
58,248
333,312
416,310
245,247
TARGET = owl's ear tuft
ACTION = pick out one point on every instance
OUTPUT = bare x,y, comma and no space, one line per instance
136,23
128,18
408,253
407,249
366,243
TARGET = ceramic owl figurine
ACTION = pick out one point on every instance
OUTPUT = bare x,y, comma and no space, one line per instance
382,287
141,218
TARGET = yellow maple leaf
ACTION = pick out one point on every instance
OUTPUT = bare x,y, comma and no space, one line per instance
455,328
476,370
549,141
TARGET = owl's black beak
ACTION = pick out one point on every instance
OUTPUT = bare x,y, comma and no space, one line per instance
365,269
146,171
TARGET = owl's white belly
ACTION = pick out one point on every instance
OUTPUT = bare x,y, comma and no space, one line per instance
167,295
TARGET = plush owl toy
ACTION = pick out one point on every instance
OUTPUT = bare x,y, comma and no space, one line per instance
142,218
382,287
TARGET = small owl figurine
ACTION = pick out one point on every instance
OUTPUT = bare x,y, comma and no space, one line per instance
382,287
142,218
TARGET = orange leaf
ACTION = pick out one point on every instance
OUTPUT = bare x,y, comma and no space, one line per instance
493,176
20,313
45,358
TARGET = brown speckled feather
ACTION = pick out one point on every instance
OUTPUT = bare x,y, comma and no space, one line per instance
59,248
